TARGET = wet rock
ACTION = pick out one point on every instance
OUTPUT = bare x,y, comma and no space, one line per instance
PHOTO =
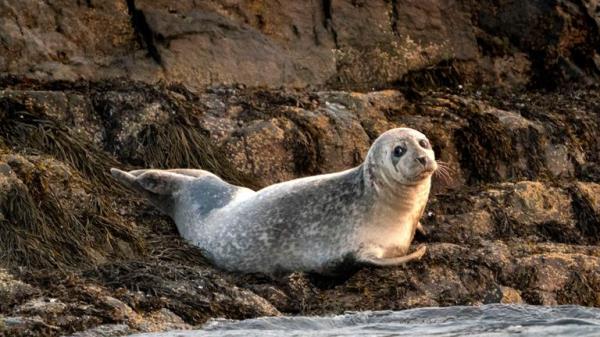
504,295
189,291
26,326
106,330
42,307
278,298
13,291
510,296
161,320
118,310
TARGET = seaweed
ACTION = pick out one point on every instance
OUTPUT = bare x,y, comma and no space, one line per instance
588,220
579,289
39,230
483,147
33,132
182,144
487,147
446,73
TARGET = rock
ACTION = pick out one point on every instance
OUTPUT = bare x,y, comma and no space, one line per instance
118,310
262,146
549,208
162,320
346,44
13,291
504,295
105,330
505,20
510,296
586,206
278,298
591,191
26,326
42,307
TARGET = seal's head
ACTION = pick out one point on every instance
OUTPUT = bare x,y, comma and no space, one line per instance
400,156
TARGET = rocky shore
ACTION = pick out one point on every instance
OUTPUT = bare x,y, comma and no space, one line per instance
258,93
518,221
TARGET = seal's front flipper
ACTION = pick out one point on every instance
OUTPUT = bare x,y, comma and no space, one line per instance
421,229
158,186
393,261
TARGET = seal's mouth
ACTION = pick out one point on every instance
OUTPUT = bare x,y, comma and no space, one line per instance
425,173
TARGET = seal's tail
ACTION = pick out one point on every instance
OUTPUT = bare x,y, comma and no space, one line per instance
158,186
123,177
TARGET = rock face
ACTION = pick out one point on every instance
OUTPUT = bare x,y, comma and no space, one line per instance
341,43
260,92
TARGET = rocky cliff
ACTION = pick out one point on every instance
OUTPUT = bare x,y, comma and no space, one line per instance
344,44
260,92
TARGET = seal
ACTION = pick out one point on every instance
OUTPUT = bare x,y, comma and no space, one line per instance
367,214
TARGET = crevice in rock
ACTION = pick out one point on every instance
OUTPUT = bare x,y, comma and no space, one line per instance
327,11
394,17
144,33
88,3
328,20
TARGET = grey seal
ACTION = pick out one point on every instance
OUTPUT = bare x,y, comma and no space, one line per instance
367,214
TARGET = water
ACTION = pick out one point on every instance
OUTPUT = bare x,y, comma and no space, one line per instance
488,320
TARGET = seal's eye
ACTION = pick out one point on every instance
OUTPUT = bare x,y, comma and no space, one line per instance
399,151
424,143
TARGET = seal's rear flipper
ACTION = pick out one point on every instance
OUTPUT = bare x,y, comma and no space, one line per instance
158,186
123,177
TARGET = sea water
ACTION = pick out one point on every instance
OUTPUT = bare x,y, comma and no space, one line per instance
485,320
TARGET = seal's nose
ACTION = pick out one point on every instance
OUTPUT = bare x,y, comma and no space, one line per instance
422,160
